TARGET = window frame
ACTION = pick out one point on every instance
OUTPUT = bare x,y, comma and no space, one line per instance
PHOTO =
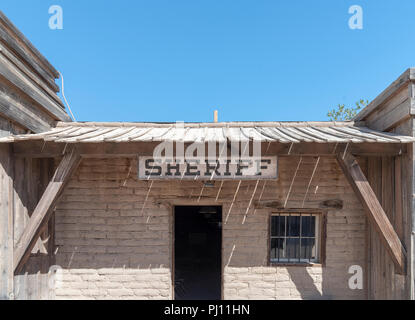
320,237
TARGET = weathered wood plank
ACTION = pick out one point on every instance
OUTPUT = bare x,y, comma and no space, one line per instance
48,237
403,80
22,47
6,222
399,227
370,278
11,96
21,215
43,210
29,45
22,116
40,149
374,210
393,117
15,76
20,195
29,73
388,205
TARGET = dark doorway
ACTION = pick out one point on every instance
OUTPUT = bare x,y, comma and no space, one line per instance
197,252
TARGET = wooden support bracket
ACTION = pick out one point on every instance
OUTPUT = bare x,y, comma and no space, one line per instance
38,220
374,210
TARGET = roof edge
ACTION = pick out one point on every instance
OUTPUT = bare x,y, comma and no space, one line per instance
29,45
231,124
385,95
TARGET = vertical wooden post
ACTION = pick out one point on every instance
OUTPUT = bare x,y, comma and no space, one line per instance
6,223
215,116
399,225
375,284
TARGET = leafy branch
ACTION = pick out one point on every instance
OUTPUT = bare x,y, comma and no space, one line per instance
346,114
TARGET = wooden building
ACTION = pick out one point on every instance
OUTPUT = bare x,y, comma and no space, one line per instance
86,214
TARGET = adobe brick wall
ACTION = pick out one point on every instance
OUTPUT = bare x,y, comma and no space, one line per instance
247,275
114,232
109,247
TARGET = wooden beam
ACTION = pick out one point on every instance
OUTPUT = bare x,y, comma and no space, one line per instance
40,149
38,220
6,222
374,210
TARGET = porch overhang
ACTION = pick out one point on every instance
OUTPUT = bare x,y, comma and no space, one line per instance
277,138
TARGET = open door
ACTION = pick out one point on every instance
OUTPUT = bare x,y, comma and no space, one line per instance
197,252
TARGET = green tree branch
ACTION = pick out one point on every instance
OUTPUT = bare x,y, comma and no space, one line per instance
346,114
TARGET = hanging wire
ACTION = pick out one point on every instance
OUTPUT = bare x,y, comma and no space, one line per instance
64,98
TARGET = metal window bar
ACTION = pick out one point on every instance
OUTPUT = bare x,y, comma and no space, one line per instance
278,249
285,237
311,249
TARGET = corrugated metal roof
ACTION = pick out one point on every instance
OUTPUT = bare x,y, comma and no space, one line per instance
285,132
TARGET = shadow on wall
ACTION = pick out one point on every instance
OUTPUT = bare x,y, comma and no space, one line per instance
287,282
305,182
248,264
310,286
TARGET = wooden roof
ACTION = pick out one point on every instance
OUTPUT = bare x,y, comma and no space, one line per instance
284,132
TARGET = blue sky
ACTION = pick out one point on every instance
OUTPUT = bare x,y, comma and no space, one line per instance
173,60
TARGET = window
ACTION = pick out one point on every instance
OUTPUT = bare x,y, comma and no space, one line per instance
295,238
